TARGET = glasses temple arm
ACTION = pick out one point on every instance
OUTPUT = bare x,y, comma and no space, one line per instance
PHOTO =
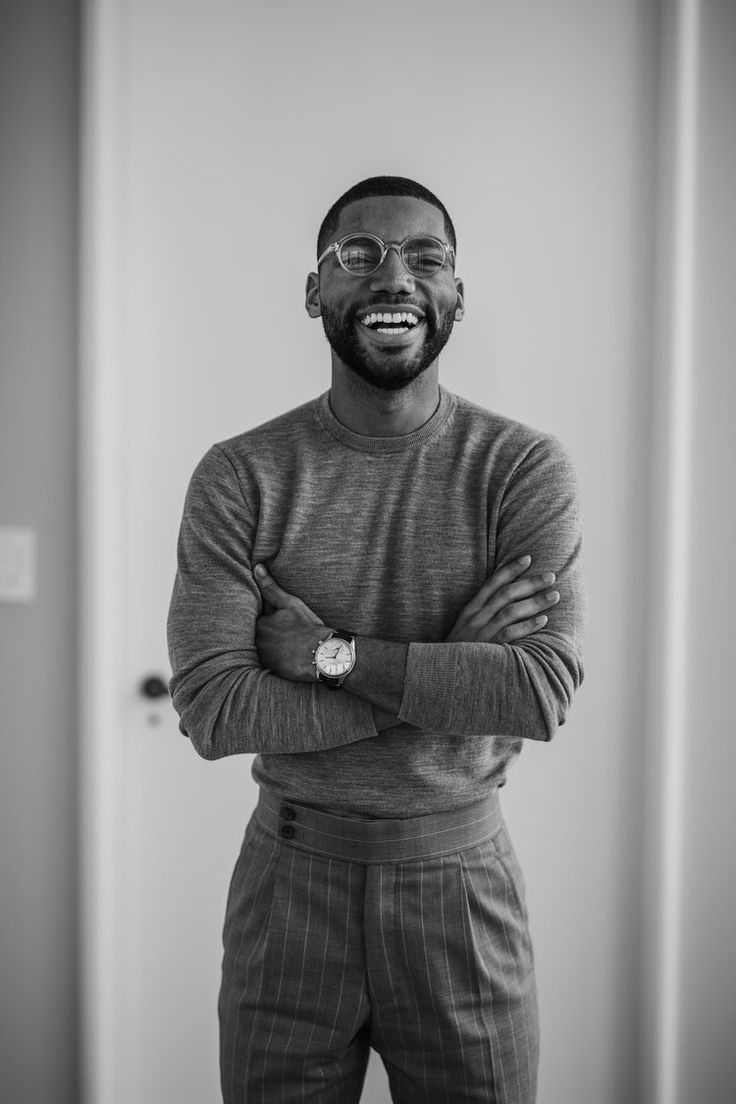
330,249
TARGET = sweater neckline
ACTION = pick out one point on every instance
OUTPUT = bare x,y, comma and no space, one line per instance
406,441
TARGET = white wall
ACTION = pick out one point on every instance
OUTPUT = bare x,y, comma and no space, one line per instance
39,1005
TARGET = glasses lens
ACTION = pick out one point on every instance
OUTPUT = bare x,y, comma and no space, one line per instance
424,256
360,254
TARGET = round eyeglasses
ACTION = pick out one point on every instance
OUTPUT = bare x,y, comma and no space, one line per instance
363,254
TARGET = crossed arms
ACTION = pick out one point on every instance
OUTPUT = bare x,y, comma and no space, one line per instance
239,685
508,607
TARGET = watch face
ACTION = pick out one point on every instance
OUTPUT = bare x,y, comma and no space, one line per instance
334,657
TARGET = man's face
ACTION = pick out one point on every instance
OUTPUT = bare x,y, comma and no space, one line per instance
345,302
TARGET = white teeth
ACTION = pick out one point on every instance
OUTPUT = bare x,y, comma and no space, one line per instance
396,319
394,330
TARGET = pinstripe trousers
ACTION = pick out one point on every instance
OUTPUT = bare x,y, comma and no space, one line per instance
408,936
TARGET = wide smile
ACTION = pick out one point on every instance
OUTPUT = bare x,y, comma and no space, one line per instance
389,326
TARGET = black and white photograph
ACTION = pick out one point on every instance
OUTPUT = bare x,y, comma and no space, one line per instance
366,551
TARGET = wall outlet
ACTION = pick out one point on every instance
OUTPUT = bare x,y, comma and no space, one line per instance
17,564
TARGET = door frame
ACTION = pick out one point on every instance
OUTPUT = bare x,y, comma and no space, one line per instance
670,569
101,477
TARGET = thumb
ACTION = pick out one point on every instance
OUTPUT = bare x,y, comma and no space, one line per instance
270,590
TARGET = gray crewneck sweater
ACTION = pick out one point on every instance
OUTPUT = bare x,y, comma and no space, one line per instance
388,537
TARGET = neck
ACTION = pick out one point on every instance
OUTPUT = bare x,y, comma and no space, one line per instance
373,412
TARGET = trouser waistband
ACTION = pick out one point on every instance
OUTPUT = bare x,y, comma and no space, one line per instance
379,841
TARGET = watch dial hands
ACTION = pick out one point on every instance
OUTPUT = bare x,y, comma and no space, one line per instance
334,659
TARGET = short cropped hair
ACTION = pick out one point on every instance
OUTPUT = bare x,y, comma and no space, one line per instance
380,186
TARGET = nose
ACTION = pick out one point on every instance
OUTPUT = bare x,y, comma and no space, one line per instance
392,276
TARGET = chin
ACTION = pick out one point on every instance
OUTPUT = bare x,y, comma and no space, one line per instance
386,380
385,370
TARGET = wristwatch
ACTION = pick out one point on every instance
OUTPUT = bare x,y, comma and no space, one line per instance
334,658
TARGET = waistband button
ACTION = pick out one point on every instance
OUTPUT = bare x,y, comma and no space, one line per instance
288,813
288,831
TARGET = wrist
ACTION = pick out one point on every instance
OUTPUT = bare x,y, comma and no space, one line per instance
378,674
309,639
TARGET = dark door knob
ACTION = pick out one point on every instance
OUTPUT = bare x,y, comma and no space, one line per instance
153,686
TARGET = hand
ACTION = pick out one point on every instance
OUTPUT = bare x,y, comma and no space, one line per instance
287,632
507,607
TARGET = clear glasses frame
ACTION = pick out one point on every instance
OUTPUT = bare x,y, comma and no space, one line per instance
400,247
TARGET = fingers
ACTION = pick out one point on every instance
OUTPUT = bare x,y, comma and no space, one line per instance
274,595
519,630
485,607
496,604
276,599
513,620
508,598
523,617
496,582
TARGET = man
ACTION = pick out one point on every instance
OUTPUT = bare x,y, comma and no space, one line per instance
355,603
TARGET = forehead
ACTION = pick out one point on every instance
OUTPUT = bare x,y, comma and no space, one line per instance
392,218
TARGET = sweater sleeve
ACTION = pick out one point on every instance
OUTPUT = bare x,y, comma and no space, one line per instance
522,689
227,702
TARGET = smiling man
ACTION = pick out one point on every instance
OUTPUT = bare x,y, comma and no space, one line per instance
389,341
379,593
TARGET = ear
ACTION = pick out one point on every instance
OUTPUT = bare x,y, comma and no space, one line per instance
312,301
460,306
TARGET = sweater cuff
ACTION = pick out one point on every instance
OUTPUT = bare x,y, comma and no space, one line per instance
429,686
347,720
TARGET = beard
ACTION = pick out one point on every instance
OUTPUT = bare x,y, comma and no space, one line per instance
383,367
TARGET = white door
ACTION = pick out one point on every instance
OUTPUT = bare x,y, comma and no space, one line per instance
216,135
